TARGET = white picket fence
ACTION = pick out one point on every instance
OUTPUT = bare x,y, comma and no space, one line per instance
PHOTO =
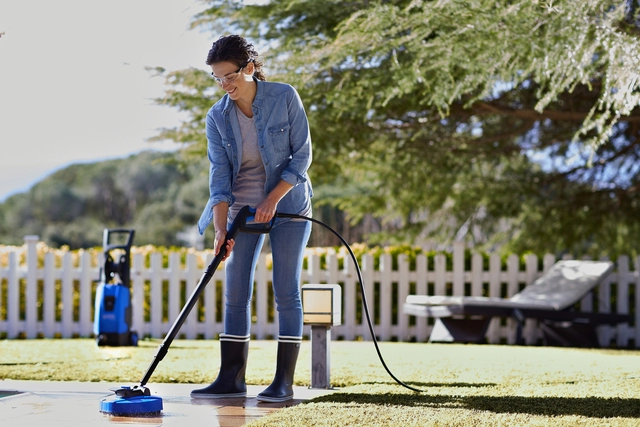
57,298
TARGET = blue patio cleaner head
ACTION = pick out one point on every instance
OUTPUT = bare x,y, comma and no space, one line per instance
132,401
137,401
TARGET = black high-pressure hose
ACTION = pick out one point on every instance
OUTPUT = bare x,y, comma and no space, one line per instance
364,296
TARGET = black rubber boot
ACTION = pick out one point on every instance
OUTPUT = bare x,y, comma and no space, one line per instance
233,364
281,388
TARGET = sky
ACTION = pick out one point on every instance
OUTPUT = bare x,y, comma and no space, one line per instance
73,84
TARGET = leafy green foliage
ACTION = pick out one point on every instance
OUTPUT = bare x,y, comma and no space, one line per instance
194,95
510,124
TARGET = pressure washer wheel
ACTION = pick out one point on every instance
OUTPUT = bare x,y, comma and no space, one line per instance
101,340
133,338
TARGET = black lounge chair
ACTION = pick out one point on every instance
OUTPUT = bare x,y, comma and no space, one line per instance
550,299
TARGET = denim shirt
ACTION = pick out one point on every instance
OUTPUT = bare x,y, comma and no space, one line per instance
284,142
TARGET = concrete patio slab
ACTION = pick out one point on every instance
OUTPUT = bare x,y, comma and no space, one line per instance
68,404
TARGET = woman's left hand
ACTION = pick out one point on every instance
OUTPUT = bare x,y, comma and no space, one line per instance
265,210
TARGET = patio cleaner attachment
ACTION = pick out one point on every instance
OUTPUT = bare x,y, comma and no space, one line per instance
138,401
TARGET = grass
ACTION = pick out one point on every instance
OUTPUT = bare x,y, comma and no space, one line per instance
464,385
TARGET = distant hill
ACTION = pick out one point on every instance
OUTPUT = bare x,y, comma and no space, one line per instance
150,192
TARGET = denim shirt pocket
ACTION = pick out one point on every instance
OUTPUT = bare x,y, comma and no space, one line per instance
279,137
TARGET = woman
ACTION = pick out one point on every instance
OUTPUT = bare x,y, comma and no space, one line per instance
259,149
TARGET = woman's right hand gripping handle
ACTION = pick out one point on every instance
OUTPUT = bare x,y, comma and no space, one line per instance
220,212
221,237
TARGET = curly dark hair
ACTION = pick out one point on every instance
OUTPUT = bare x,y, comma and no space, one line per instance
237,50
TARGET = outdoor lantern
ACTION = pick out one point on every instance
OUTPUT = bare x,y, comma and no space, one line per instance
322,304
321,308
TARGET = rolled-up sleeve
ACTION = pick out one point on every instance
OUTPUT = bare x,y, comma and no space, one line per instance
299,140
220,170
220,173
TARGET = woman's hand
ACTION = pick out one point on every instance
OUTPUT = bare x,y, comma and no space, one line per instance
221,236
265,210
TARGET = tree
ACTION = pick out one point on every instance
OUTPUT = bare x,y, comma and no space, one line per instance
517,121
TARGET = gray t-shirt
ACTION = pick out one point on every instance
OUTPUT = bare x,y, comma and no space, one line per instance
248,188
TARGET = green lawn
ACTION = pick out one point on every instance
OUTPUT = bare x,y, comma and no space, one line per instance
464,385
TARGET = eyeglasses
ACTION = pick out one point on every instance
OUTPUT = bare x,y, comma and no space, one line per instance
228,78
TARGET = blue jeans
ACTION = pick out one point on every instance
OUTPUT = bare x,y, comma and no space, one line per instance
288,240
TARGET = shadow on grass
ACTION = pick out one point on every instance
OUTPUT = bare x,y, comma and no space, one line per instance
593,407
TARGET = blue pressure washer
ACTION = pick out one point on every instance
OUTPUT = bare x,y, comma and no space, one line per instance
113,311
137,401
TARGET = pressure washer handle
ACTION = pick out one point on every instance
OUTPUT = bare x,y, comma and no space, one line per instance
241,223
247,225
106,239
